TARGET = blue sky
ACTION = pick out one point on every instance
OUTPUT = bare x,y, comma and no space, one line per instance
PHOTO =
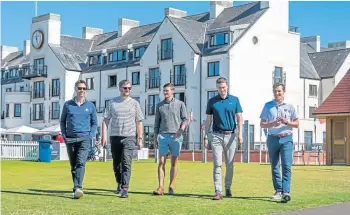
330,20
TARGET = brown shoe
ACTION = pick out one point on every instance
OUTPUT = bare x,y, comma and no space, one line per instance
217,196
159,191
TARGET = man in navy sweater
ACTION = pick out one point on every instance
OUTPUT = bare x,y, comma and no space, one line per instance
78,127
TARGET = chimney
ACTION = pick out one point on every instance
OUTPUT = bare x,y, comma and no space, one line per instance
26,47
89,33
216,7
6,50
124,25
264,5
313,41
339,45
174,12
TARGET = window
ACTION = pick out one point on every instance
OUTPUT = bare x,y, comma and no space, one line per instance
166,49
324,137
93,60
311,110
154,78
55,87
139,52
180,96
219,39
211,94
112,81
106,103
17,110
90,83
55,110
17,137
213,69
251,136
179,75
7,110
2,74
135,78
312,90
38,111
278,75
308,137
39,66
8,89
152,103
112,57
21,89
39,89
137,99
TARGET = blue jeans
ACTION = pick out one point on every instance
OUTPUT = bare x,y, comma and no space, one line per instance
78,151
281,147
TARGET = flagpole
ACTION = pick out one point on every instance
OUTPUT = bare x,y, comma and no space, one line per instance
36,9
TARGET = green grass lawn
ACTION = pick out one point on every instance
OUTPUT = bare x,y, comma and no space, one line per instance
45,188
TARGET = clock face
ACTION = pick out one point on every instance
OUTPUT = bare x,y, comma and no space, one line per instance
37,39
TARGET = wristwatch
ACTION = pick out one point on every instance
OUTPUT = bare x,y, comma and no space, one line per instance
140,138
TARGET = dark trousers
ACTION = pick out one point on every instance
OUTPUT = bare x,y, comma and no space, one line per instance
122,150
78,150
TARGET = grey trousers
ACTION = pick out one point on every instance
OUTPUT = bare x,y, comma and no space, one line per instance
223,143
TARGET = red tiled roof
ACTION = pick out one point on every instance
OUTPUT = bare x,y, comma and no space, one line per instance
339,99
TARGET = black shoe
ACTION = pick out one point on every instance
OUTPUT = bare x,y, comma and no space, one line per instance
124,193
119,189
228,193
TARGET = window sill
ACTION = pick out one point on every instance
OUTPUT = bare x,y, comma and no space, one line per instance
112,88
136,84
314,97
165,60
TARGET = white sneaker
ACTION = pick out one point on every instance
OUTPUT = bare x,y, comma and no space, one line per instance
78,194
277,196
286,197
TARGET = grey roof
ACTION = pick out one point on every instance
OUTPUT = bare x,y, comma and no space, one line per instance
192,31
307,69
11,81
202,17
238,15
327,63
103,41
111,66
72,52
12,56
20,60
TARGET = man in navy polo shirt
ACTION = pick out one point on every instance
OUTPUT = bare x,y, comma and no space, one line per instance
280,118
78,127
224,110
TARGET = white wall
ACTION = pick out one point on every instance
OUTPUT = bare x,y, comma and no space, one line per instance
327,87
13,98
342,71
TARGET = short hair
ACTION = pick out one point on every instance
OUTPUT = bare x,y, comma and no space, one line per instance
279,84
80,82
221,80
123,82
169,85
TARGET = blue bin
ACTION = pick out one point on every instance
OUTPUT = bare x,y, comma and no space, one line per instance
45,150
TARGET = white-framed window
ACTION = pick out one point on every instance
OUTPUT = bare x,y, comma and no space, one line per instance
312,90
213,69
153,100
90,83
311,110
211,94
219,39
135,78
112,81
308,137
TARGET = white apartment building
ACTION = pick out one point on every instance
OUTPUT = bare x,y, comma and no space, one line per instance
251,45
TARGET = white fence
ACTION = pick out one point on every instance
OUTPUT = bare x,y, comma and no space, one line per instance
19,150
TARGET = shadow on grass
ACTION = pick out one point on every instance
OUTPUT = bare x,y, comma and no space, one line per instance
320,170
191,195
36,194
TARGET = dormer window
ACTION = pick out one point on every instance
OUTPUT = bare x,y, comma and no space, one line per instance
219,39
117,56
139,52
93,60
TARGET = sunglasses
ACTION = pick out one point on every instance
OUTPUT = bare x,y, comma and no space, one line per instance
81,88
127,88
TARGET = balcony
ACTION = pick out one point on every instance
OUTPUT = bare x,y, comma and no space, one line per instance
34,71
154,83
54,114
38,93
37,115
179,80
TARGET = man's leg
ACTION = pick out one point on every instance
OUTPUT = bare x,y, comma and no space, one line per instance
217,161
116,149
274,154
163,147
81,157
72,160
229,153
175,148
129,144
287,160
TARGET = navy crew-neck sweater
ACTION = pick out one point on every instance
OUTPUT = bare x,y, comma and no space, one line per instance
78,121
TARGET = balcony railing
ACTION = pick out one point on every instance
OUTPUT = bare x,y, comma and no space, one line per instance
100,109
179,80
34,71
38,115
154,83
55,114
38,93
3,115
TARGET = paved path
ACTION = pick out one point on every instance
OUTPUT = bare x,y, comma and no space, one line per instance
337,209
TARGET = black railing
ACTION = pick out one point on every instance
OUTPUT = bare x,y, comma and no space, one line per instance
34,71
3,115
38,115
179,80
166,54
100,109
154,83
38,93
55,114
55,92
20,90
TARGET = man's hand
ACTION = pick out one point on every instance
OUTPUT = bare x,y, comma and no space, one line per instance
104,140
282,120
178,134
206,143
156,141
276,123
240,139
139,143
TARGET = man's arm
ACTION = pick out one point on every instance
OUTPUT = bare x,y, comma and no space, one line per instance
184,118
107,116
294,124
139,128
239,123
156,121
63,124
93,122
208,124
